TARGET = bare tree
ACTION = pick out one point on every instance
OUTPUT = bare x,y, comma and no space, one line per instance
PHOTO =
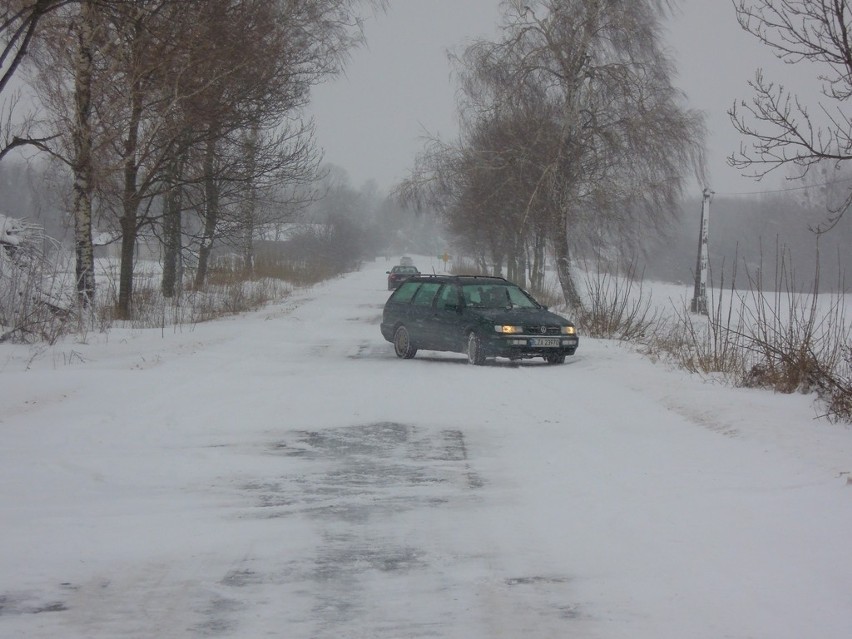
20,21
133,91
154,89
782,130
276,172
585,127
103,83
294,46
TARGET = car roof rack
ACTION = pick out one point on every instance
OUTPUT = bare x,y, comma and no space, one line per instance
460,277
482,277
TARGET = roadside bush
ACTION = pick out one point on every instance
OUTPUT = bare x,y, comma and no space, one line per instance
548,294
797,341
616,304
704,344
222,295
466,266
302,272
785,339
32,305
838,392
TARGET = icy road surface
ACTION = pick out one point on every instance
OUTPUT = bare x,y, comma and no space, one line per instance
283,474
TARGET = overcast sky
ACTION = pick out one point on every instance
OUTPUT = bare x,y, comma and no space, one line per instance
399,88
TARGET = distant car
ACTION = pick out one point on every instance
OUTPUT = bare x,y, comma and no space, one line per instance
398,274
406,261
484,317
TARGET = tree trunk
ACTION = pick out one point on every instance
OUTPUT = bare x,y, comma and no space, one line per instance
171,281
250,212
562,255
248,242
82,159
211,212
481,262
515,263
125,275
538,263
498,254
130,206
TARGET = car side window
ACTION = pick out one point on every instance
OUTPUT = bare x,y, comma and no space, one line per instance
426,294
449,296
405,292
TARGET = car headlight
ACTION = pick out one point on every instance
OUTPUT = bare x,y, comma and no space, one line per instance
569,330
506,329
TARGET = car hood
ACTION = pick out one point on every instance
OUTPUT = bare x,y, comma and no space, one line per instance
520,316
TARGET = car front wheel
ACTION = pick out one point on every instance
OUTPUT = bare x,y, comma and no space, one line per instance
402,345
475,351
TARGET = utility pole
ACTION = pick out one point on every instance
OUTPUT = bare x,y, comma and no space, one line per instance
699,296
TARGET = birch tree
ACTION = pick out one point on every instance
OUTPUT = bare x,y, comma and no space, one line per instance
81,154
607,143
67,59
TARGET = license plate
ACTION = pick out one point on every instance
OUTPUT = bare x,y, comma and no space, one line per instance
544,341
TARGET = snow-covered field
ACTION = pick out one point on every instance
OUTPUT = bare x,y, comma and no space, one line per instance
283,474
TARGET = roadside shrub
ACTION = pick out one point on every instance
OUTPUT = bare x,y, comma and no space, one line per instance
466,266
781,339
617,306
33,307
797,341
704,344
548,294
838,392
301,272
224,296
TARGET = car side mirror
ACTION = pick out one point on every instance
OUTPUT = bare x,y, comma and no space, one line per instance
453,307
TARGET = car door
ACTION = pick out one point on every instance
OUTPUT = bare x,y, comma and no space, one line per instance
445,322
420,312
398,308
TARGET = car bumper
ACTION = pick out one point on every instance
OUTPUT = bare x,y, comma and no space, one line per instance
521,346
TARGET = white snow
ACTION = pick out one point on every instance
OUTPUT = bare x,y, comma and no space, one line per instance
10,230
283,474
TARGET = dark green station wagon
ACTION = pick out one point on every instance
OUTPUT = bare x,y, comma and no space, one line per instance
484,317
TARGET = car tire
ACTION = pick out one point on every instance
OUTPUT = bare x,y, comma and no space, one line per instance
555,358
475,350
402,345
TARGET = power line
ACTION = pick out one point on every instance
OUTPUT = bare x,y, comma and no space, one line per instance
792,188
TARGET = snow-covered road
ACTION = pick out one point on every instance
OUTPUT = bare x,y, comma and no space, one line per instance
283,474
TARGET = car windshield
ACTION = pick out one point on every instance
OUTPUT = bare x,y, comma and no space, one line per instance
496,296
405,270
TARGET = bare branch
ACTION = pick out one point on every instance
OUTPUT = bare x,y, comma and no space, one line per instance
780,129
